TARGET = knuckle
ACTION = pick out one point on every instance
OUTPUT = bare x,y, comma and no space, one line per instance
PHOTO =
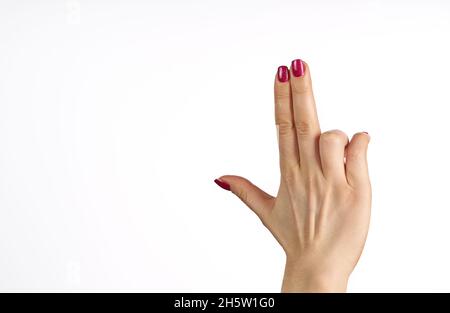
303,128
334,137
285,128
241,194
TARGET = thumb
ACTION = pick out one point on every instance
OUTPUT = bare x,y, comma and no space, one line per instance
255,198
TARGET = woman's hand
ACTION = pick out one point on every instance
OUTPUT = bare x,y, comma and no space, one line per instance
321,213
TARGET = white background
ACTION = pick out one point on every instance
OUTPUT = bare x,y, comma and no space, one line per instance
116,116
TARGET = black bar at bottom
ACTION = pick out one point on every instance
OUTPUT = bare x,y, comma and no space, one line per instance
234,302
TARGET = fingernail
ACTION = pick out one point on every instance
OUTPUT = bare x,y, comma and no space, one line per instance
222,184
366,133
283,74
297,68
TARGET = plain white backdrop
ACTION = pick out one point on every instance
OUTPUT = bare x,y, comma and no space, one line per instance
116,116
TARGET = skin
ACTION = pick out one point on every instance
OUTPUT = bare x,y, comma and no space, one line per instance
321,213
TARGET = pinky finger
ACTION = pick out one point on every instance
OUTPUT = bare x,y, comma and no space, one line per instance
356,160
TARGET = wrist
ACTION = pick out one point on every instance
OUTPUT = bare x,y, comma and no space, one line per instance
298,277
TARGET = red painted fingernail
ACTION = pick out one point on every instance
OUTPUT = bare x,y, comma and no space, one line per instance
297,68
222,184
283,74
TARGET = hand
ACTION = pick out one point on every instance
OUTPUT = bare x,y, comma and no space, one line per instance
321,213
